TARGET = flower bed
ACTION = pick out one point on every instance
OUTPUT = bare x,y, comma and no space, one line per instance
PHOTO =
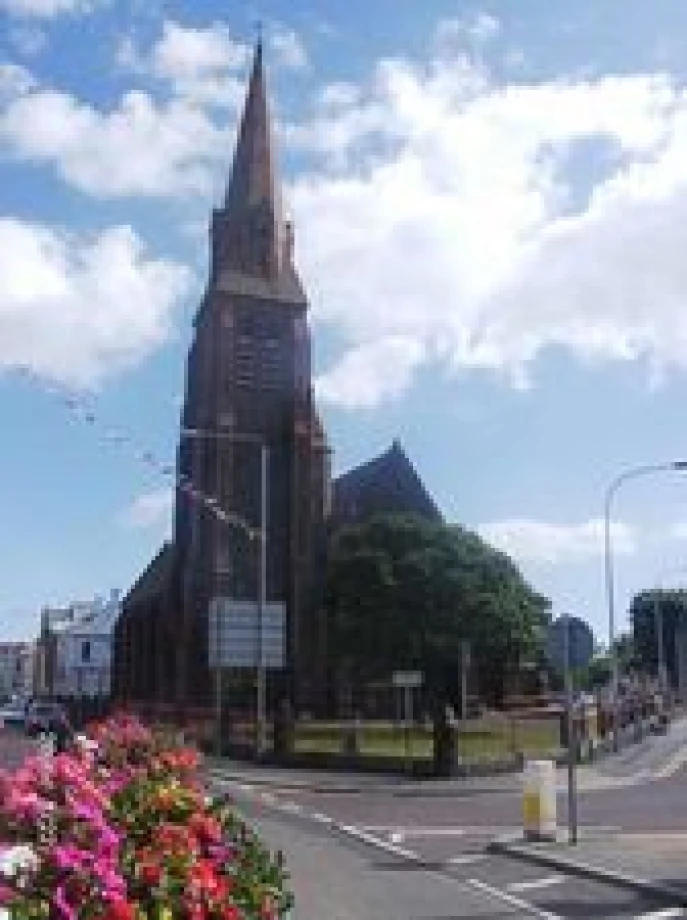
124,830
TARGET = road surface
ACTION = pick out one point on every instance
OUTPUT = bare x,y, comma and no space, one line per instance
397,854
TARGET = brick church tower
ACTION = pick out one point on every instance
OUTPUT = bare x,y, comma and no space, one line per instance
248,383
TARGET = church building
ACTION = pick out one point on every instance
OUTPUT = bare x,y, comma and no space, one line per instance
251,445
248,401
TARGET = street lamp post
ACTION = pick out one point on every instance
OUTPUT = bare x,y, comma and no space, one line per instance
624,476
254,534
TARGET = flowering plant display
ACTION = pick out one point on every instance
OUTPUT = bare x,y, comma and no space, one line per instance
123,829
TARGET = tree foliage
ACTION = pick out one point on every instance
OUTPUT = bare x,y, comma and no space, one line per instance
403,593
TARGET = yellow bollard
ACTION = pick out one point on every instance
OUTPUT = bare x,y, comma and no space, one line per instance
539,800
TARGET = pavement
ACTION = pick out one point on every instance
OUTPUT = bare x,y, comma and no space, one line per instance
379,838
652,863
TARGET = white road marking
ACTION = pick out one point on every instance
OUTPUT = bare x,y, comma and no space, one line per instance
676,763
534,883
320,818
466,860
404,832
370,839
530,909
292,808
666,914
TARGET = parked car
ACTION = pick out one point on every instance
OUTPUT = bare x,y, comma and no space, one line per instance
45,716
13,715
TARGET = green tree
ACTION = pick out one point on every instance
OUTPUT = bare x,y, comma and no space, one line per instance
403,593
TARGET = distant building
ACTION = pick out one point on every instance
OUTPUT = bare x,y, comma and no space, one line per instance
84,650
388,484
74,650
16,669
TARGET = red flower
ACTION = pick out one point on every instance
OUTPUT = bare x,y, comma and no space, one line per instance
151,874
119,909
206,828
230,912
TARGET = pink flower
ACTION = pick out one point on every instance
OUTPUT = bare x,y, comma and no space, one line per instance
62,904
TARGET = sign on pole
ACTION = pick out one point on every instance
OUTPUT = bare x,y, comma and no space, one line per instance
407,678
234,631
570,642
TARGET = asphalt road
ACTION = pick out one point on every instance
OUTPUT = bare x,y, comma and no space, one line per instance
390,855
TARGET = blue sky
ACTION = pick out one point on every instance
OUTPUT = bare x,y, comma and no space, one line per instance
490,203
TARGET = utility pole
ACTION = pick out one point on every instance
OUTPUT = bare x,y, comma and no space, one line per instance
570,726
261,691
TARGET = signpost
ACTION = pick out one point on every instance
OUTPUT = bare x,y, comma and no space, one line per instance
570,646
464,668
407,681
245,635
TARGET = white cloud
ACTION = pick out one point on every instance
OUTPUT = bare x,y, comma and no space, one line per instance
204,66
140,147
678,530
477,30
287,49
555,544
356,381
46,9
76,309
151,510
471,230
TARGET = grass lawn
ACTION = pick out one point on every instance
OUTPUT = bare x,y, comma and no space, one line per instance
482,740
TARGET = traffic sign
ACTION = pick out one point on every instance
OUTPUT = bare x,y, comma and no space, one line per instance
570,637
407,679
234,633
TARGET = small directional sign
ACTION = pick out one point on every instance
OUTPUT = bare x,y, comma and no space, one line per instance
407,679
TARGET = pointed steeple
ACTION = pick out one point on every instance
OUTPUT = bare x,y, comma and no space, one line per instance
249,234
253,192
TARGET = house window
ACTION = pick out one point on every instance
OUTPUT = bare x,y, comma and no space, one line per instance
85,651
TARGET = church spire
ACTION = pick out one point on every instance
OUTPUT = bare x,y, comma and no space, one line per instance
249,233
253,182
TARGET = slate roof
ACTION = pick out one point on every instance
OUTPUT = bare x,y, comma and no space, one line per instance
154,579
388,484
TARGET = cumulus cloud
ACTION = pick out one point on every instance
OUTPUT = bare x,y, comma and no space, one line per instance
150,510
77,309
477,30
139,147
200,64
355,381
482,220
471,229
287,49
557,544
